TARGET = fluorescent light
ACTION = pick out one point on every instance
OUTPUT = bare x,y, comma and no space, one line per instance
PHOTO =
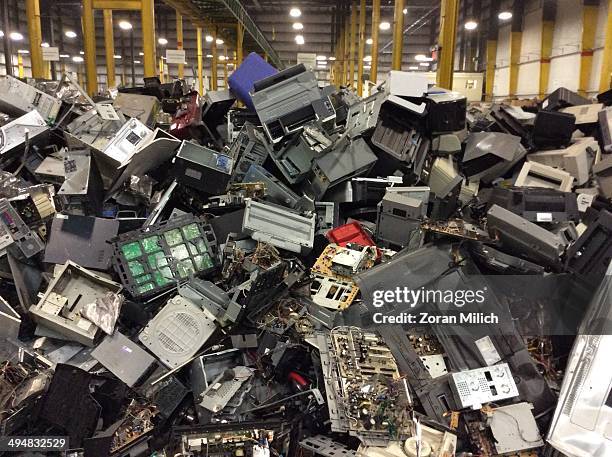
424,64
70,34
137,61
23,51
367,59
209,56
384,26
295,12
44,45
16,36
322,58
209,39
471,25
221,58
413,68
77,59
1,33
65,56
299,39
219,41
298,26
141,53
367,67
505,15
162,41
82,53
125,25
117,56
405,11
332,58
369,41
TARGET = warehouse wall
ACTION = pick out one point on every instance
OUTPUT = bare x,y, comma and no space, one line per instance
565,59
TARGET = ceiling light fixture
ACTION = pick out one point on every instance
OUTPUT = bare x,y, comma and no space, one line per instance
505,15
424,64
44,44
295,12
321,58
82,53
219,41
332,58
137,61
16,36
405,11
209,56
116,56
162,41
209,39
413,68
369,41
298,26
23,51
65,56
70,34
299,39
125,25
367,59
384,25
1,34
471,25
77,59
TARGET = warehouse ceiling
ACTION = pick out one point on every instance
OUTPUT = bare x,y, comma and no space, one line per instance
269,30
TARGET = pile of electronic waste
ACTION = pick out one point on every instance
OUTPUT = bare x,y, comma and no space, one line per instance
200,275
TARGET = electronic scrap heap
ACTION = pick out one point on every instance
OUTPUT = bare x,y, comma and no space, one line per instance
305,272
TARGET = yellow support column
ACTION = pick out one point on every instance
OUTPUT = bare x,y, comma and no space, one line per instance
589,26
148,37
549,11
239,44
225,67
490,75
35,34
449,14
347,47
109,48
398,35
374,47
362,40
20,71
605,80
200,69
161,70
89,39
515,54
351,81
179,42
339,58
547,40
214,64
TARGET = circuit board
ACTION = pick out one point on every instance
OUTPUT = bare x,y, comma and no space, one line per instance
374,395
330,288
